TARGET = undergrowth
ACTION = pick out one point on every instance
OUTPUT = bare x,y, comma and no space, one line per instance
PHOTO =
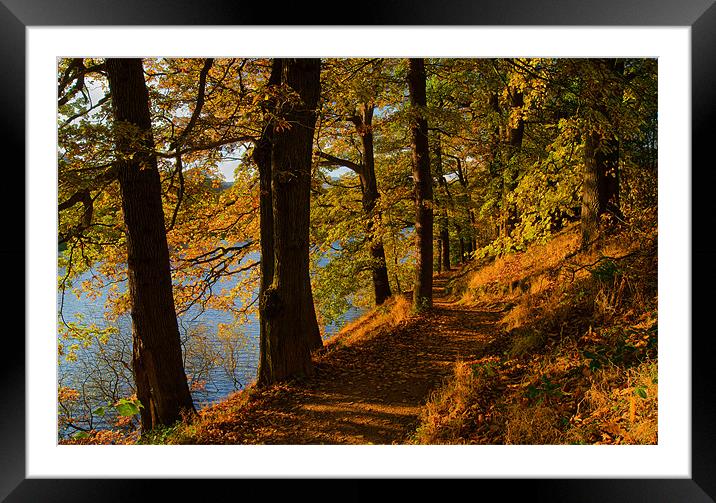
575,361
395,311
220,423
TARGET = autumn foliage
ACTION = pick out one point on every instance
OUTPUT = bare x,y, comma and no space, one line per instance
291,195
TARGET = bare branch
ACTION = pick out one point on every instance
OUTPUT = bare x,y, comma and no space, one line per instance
101,102
84,197
331,160
208,146
75,71
199,103
216,253
180,193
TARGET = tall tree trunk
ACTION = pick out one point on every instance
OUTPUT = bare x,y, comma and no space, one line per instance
590,190
462,178
515,134
423,288
447,201
607,159
600,185
379,269
262,157
439,262
473,231
288,318
496,166
156,355
607,156
443,239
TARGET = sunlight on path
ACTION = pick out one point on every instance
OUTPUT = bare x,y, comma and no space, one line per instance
373,390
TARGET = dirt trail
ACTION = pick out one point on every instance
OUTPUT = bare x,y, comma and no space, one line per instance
371,391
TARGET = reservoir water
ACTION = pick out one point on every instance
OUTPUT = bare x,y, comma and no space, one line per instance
216,366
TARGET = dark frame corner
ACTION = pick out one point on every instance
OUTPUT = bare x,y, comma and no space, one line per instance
700,15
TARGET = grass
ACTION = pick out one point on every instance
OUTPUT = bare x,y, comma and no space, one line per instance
575,361
446,415
395,311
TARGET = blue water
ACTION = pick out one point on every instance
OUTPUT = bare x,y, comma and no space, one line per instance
209,379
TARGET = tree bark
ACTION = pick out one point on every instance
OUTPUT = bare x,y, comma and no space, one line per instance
262,158
447,201
607,159
600,185
423,191
439,262
607,156
157,358
515,134
369,186
461,177
445,240
590,190
469,249
288,318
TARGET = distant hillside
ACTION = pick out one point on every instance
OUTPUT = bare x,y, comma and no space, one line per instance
223,185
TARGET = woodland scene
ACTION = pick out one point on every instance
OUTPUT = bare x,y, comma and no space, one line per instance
357,251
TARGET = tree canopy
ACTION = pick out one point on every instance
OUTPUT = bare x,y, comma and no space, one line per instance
501,153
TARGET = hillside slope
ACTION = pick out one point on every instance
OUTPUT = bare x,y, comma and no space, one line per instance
575,360
550,346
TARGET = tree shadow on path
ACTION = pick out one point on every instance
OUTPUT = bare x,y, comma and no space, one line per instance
371,391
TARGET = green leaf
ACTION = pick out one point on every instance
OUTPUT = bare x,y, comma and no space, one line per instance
640,392
127,409
81,434
99,411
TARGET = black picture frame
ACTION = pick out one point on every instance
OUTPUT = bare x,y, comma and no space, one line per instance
700,15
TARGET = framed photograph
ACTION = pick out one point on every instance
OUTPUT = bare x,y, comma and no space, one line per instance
680,35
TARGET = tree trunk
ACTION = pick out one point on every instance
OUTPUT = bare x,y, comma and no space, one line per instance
607,159
439,263
262,157
157,358
447,201
590,190
515,133
607,156
288,318
472,243
469,249
423,289
473,239
600,186
369,185
445,240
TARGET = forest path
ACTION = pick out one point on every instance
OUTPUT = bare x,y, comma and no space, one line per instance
370,391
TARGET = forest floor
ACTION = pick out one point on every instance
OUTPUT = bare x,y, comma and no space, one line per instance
552,345
549,346
368,391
